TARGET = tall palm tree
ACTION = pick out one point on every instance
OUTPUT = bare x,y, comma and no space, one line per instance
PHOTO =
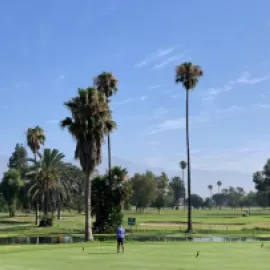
88,124
188,75
183,165
35,138
219,184
107,84
45,175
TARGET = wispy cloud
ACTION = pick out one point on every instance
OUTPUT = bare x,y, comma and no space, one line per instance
143,98
174,124
109,10
158,112
261,106
245,78
155,56
178,123
155,87
125,101
168,61
153,142
61,77
55,121
176,95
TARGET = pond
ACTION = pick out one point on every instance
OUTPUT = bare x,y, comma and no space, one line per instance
38,240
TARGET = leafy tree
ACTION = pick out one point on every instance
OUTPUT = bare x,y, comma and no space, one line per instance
88,124
210,187
19,160
188,75
196,201
73,176
106,83
178,188
220,199
233,197
261,180
219,184
161,191
144,189
183,166
107,197
10,187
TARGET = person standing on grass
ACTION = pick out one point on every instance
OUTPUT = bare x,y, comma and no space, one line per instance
120,235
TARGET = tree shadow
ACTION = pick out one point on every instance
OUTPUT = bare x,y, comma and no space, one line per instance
102,253
14,222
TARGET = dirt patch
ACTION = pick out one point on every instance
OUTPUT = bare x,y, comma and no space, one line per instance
163,224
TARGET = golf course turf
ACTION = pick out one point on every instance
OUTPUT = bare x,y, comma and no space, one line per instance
137,256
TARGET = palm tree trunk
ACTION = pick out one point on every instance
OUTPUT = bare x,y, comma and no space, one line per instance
189,229
58,210
109,158
37,200
87,197
37,212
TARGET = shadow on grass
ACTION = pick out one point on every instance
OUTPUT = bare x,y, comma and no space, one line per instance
14,222
102,253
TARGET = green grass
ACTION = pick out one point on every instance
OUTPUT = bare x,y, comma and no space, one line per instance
205,222
233,256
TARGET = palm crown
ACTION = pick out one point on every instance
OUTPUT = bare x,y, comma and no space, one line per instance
188,75
90,121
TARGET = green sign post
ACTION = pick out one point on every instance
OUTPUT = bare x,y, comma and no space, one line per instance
131,221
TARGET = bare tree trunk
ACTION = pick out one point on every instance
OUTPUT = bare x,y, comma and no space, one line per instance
88,221
189,229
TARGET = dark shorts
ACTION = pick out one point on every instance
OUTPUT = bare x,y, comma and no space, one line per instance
120,241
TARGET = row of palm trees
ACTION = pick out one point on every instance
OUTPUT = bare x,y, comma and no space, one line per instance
90,121
210,187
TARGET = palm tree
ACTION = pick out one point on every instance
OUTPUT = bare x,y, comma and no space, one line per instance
188,75
35,138
183,165
45,175
219,184
210,187
88,124
107,84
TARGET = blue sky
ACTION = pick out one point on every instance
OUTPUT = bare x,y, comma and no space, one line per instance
49,48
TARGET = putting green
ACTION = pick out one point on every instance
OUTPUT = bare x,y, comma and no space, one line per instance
137,256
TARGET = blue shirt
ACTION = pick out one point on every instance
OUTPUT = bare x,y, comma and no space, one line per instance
120,232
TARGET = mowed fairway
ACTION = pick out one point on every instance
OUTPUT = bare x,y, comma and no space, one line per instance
137,256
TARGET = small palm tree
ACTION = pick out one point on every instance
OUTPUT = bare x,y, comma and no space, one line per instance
219,184
183,165
45,175
188,75
88,124
107,84
35,138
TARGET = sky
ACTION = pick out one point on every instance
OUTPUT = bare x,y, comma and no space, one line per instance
50,48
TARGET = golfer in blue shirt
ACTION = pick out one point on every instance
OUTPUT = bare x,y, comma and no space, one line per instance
120,235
